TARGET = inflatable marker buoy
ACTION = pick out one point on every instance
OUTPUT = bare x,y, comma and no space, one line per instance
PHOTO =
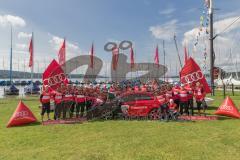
21,116
228,109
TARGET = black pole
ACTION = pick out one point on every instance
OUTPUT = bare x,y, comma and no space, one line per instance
224,91
232,89
179,59
211,47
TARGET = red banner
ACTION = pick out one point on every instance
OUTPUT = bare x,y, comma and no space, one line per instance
191,74
54,76
156,57
31,53
115,55
62,53
91,56
132,57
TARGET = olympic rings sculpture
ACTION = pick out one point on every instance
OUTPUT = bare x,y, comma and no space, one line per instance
124,45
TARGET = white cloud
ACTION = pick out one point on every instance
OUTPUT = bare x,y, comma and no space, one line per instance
219,26
21,46
222,44
57,41
72,49
165,31
24,35
15,21
167,11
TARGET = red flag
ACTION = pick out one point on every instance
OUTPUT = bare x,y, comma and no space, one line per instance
91,56
115,55
62,53
191,73
31,53
132,57
54,76
156,57
228,108
185,54
22,115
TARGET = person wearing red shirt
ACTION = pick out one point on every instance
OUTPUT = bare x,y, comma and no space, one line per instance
68,99
183,97
175,97
58,101
45,99
80,103
199,95
190,90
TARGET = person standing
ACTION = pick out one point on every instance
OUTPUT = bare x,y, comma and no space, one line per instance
175,97
183,97
45,99
199,95
68,101
189,88
80,104
58,100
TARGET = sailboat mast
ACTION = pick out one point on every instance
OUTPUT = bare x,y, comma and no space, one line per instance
10,72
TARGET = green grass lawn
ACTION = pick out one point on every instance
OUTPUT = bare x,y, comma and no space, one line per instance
140,140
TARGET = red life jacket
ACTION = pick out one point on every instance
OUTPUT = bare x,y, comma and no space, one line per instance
144,88
172,106
80,98
161,99
111,89
136,88
190,92
68,98
45,98
183,95
58,98
169,94
175,93
199,95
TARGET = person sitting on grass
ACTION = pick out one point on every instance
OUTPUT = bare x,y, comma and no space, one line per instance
45,99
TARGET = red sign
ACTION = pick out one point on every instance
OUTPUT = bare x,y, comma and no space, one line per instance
191,74
21,116
228,108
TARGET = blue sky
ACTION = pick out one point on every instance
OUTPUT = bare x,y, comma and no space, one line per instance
145,22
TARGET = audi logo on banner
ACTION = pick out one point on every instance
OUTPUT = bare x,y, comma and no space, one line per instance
55,79
227,108
193,77
21,114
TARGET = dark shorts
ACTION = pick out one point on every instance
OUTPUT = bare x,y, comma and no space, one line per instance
45,108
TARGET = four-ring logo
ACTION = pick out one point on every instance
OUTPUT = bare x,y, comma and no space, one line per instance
192,77
55,79
226,108
21,114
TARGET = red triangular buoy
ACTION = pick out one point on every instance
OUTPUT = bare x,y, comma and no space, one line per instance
22,115
228,108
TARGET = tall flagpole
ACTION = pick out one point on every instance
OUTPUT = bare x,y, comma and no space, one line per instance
211,46
10,72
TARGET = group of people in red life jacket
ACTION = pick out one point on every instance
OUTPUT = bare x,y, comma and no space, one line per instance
70,99
183,98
